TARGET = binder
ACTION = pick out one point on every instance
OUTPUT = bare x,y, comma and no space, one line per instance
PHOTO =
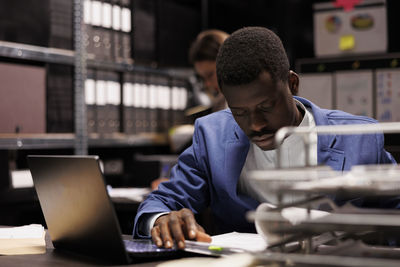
126,26
101,101
128,112
59,96
61,28
90,101
96,31
116,35
106,31
153,107
179,96
113,103
164,104
88,33
141,103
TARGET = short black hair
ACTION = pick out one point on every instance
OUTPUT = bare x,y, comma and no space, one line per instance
206,45
248,52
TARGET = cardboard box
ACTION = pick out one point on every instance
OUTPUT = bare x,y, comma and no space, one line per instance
362,30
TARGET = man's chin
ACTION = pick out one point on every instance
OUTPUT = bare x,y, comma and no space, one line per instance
265,144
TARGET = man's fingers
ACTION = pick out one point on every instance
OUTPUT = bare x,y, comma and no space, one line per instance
175,227
190,223
155,235
203,237
166,235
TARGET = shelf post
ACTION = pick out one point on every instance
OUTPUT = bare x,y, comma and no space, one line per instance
81,134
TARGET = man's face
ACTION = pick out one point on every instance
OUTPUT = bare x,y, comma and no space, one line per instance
262,107
206,69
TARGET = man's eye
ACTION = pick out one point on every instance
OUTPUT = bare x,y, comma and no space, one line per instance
238,112
266,108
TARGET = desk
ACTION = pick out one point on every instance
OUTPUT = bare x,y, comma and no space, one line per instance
54,257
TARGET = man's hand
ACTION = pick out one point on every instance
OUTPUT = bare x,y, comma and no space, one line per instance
176,226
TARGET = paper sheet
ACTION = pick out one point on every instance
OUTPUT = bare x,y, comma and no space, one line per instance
135,194
246,241
354,92
28,239
388,95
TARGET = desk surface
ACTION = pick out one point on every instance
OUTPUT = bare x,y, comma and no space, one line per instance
54,257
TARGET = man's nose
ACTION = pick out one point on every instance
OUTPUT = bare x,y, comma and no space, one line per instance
257,121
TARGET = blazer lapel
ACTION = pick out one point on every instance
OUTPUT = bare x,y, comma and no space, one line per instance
236,154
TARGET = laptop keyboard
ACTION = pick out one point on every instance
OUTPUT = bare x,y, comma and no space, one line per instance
144,246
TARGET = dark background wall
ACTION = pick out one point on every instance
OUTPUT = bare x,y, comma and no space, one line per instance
164,29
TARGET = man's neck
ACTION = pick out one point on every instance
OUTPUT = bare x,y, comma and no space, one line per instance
299,114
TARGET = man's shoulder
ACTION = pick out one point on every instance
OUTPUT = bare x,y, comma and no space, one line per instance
219,118
334,117
341,117
220,124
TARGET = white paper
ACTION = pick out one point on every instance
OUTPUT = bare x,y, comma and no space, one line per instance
246,241
26,231
317,88
388,95
135,194
21,178
23,240
354,92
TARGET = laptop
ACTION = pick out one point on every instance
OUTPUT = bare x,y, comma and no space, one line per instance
79,214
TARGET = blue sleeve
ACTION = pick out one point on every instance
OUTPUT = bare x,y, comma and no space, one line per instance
187,188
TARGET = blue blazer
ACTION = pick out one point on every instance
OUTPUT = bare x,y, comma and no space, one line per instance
207,172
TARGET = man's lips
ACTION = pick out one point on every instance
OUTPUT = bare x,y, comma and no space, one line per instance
262,138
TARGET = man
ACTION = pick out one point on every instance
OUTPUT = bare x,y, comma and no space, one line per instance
253,74
203,54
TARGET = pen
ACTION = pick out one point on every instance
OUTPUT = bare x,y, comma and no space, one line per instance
209,249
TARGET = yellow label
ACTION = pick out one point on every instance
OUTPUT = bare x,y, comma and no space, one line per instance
347,42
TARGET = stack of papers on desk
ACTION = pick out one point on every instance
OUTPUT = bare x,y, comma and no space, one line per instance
247,241
228,244
29,239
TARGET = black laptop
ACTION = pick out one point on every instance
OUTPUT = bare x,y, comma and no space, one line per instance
79,214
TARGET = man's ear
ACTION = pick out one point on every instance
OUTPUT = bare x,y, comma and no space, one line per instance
293,82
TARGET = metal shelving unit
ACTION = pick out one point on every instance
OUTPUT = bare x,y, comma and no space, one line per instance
80,140
58,141
329,64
